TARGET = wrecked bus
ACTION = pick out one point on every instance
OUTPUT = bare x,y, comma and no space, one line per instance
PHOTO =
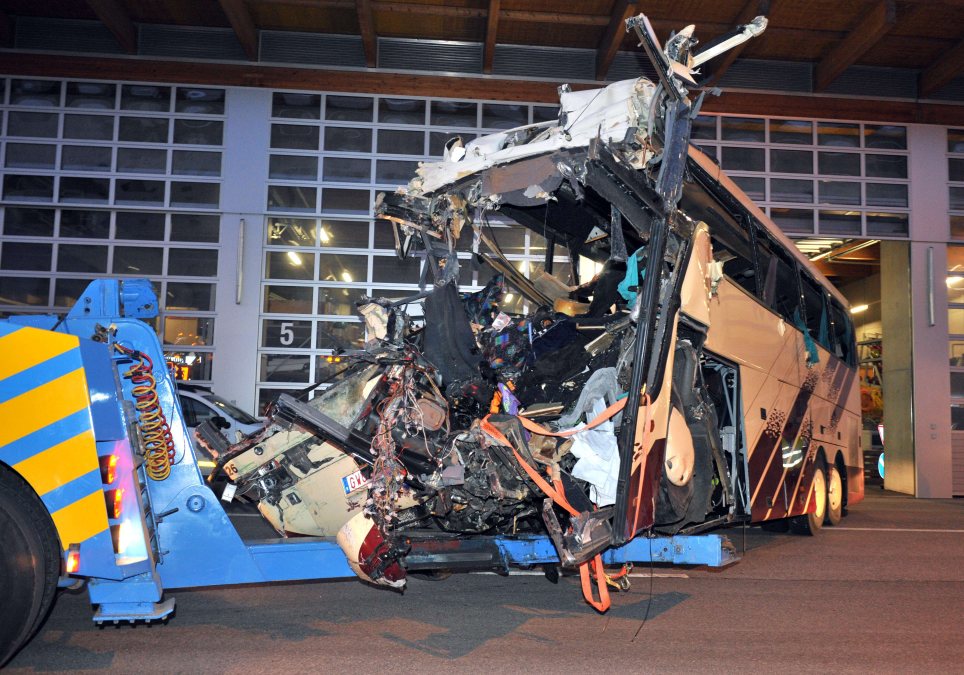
690,369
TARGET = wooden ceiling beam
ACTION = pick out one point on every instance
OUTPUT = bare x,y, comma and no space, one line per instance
431,10
946,68
751,10
366,26
471,87
613,37
662,25
113,15
491,30
244,28
875,24
845,271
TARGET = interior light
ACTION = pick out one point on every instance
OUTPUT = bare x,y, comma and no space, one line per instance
190,359
508,298
294,258
953,281
346,277
857,309
325,237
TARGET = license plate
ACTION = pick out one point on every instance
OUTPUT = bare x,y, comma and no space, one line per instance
353,482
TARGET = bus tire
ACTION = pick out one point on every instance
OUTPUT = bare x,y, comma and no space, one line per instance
835,496
30,561
810,523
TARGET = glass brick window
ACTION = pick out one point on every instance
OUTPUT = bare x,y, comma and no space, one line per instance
955,175
813,177
955,274
49,255
111,180
330,155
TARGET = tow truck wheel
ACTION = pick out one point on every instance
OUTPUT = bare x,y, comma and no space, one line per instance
834,496
810,523
29,563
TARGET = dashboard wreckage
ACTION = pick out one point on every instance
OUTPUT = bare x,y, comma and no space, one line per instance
589,411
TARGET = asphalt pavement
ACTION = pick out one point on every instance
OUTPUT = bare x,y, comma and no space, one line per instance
882,592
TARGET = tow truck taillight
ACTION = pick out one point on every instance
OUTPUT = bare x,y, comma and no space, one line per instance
108,469
115,499
73,558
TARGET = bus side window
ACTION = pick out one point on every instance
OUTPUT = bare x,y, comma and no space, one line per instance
736,258
818,324
778,287
843,332
731,240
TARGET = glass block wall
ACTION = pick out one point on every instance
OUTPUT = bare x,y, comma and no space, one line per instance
955,274
832,179
105,179
330,156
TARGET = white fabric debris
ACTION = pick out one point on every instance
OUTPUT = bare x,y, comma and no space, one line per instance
376,320
598,456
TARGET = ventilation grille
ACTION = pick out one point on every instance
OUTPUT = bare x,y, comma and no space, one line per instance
951,92
64,35
557,64
867,81
630,65
772,75
433,55
317,49
189,42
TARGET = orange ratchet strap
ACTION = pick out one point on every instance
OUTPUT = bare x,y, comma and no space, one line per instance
558,495
595,422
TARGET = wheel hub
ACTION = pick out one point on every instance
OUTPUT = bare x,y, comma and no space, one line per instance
820,493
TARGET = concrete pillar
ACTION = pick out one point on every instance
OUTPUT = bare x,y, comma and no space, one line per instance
898,374
914,311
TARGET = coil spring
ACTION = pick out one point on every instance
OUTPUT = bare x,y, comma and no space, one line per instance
151,422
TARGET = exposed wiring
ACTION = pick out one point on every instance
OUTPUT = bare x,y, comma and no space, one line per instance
649,602
585,108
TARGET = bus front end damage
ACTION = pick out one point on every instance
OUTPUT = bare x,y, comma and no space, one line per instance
543,404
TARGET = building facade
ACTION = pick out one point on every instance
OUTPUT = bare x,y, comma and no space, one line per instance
250,209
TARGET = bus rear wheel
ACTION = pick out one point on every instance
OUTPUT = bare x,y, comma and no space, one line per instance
29,563
835,496
810,523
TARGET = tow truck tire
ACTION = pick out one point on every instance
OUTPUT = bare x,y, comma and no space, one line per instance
810,523
29,563
835,496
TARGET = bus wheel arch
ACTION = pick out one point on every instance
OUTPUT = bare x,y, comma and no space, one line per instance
30,562
686,481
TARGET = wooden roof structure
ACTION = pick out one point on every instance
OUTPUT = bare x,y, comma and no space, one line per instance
926,36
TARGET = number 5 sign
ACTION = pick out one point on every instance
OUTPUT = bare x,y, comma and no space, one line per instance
287,334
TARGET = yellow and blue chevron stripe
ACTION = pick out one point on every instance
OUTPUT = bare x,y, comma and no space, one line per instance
46,432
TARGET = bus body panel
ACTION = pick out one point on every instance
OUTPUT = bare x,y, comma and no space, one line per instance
793,409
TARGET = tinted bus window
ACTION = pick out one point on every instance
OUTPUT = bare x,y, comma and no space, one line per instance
815,311
843,333
778,281
731,240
